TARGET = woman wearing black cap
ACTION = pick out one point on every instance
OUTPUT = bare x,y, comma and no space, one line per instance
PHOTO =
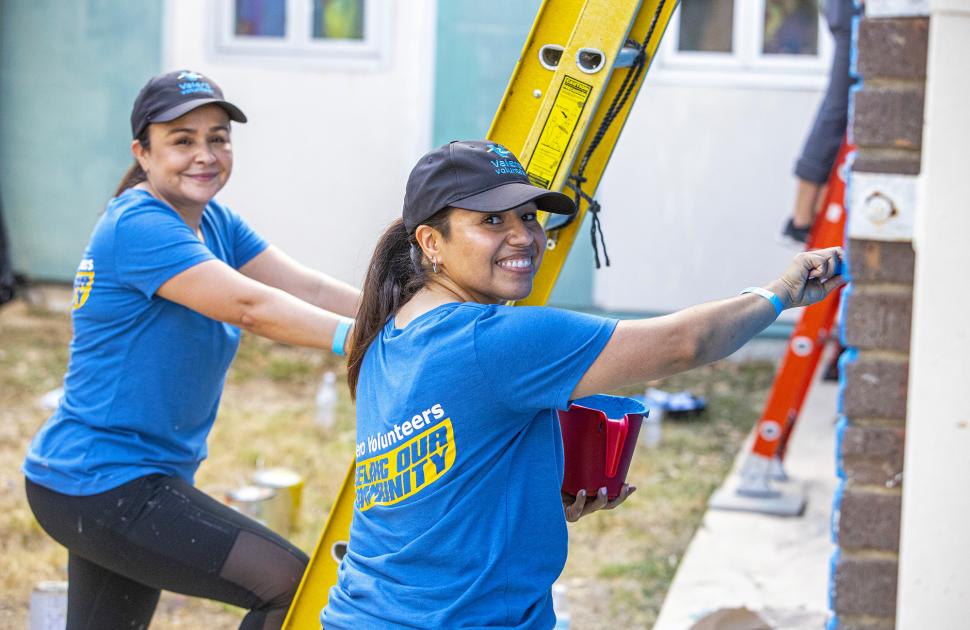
167,281
458,519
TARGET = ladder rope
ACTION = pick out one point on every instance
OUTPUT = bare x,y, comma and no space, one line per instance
577,179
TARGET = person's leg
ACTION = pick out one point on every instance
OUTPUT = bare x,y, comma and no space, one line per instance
822,145
164,533
99,598
828,130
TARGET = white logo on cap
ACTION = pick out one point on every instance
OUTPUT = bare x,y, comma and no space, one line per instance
500,151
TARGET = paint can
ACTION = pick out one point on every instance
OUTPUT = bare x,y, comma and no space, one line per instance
288,484
48,606
262,505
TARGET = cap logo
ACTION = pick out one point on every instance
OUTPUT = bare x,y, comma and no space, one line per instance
193,82
498,150
505,166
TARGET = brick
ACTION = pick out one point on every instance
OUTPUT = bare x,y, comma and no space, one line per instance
893,48
882,160
873,455
866,623
889,116
881,261
869,520
875,388
878,318
865,586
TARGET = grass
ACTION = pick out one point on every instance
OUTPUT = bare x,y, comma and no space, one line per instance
620,562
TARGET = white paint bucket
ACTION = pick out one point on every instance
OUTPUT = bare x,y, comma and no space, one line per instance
48,606
262,505
288,485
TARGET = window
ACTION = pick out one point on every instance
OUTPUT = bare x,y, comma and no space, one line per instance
790,27
758,42
343,32
706,26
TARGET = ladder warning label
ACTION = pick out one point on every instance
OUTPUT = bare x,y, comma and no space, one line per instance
558,131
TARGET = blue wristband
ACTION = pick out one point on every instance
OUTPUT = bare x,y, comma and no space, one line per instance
768,295
340,336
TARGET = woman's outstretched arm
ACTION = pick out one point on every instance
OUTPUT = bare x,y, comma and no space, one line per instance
647,349
274,268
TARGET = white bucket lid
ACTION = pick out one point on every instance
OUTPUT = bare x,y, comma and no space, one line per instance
276,477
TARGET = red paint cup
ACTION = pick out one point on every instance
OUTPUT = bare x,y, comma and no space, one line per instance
599,434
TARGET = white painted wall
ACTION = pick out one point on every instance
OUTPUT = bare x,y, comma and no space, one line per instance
934,557
697,192
321,166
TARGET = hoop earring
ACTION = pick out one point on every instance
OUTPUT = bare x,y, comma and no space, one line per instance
434,264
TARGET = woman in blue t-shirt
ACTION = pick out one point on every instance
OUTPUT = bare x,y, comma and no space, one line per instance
458,519
167,281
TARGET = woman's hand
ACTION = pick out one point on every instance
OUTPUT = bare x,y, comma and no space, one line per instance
810,277
576,507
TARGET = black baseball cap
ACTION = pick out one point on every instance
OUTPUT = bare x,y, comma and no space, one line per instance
170,95
475,175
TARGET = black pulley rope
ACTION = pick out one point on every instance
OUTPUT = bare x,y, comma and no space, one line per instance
577,179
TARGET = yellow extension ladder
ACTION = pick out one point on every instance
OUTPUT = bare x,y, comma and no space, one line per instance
562,113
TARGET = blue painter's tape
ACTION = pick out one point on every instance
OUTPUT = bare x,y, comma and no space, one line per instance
837,509
843,306
833,567
854,46
840,428
849,356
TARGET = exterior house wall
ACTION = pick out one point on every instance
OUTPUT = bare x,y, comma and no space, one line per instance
321,166
887,129
692,183
702,174
69,72
697,191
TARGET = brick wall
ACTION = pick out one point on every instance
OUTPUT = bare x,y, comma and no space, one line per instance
887,129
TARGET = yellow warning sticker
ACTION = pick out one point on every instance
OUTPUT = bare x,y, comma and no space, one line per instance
558,131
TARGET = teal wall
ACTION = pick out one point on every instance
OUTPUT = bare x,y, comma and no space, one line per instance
69,71
478,46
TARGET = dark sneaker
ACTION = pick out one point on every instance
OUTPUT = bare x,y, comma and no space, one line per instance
794,235
831,373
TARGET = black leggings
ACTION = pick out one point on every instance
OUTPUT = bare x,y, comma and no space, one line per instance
158,532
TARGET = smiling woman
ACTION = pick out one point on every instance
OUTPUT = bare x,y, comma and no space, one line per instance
442,514
191,158
167,281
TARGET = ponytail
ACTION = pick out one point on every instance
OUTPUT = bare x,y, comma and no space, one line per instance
396,273
135,175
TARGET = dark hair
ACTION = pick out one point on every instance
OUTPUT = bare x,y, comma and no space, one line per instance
397,271
135,174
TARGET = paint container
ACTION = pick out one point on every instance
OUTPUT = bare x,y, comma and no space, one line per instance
48,606
262,505
288,484
599,434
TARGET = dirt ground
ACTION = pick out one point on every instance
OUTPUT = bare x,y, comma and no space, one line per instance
620,563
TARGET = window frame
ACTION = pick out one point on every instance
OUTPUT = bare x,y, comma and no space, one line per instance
298,45
746,65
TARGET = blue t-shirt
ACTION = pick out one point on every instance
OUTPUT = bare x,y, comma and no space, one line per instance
458,520
145,375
